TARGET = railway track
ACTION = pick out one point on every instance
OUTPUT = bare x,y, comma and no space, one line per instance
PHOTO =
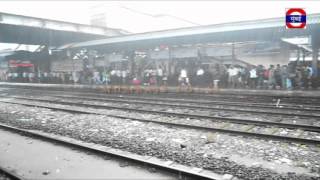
196,102
74,109
235,93
253,111
244,95
183,115
241,98
183,172
277,111
9,175
273,105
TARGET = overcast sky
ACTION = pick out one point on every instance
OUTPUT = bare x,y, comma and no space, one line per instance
134,16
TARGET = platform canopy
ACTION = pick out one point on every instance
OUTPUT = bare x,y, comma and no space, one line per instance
38,31
256,30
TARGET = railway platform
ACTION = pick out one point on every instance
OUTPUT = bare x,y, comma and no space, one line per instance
162,89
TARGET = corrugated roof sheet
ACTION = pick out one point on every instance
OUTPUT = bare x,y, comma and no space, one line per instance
199,30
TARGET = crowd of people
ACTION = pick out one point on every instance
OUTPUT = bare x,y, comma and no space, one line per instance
272,77
291,76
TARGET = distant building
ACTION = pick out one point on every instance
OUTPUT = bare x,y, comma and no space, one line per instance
99,19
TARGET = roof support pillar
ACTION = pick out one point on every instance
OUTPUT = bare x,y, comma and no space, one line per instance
170,61
233,53
315,52
132,61
315,38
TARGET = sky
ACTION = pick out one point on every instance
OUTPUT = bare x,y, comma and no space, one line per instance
144,16
138,16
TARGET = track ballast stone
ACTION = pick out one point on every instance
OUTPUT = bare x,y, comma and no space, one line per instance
185,146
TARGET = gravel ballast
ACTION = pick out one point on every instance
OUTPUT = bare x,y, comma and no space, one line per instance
256,159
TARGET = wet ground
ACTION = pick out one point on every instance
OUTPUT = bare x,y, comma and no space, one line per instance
36,159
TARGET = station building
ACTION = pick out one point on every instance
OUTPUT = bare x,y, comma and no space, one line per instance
245,44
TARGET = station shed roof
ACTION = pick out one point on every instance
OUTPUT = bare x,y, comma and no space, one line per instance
38,31
272,29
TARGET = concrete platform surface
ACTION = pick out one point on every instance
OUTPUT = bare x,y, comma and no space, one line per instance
37,159
293,93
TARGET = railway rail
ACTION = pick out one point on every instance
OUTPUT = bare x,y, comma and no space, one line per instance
184,115
291,98
74,109
175,90
277,111
183,172
9,175
159,98
247,98
254,111
279,106
246,95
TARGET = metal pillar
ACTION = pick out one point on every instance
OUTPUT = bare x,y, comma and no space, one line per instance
170,71
233,53
315,52
131,55
315,38
303,55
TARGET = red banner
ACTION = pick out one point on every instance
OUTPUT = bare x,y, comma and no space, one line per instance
16,63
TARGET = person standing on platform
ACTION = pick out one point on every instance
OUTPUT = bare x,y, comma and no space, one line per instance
242,77
75,77
183,77
118,77
113,77
253,78
284,76
124,75
165,79
16,76
277,76
159,76
96,77
31,77
24,77
232,73
309,76
9,76
271,75
105,78
200,79
291,76
260,74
